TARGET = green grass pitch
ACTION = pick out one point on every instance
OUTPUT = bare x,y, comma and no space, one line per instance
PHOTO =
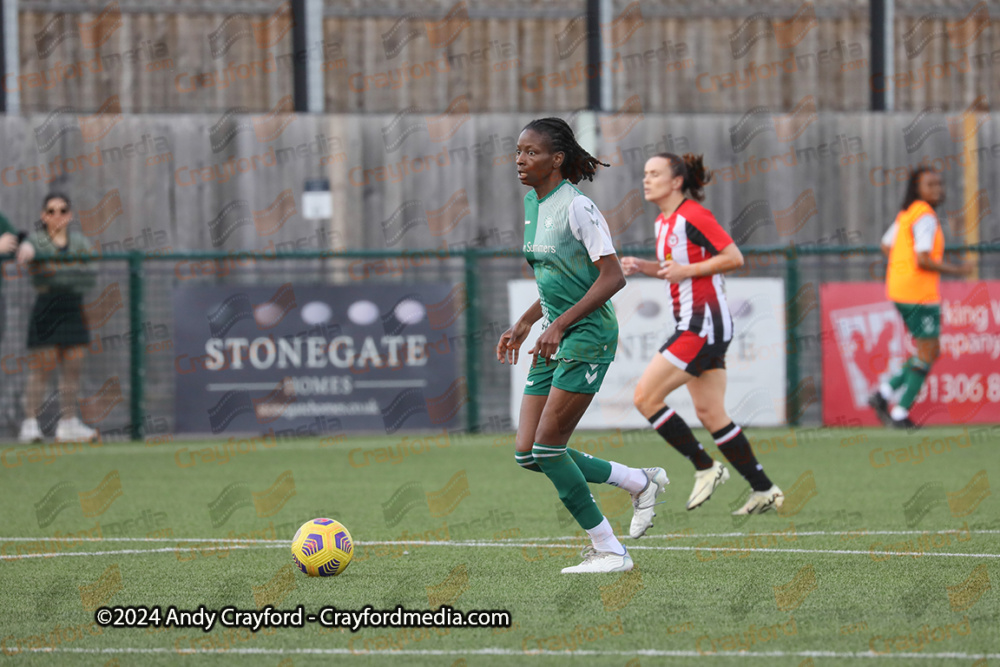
858,569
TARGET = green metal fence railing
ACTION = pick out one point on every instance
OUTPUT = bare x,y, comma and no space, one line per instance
778,261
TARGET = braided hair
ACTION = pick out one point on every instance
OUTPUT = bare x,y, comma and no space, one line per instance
912,193
692,169
578,163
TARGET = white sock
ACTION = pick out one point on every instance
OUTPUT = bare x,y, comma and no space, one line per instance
603,538
632,480
886,391
898,413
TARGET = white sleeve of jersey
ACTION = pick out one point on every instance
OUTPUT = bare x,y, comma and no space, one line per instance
590,228
924,231
890,235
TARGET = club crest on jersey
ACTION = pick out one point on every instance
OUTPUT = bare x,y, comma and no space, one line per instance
548,222
672,240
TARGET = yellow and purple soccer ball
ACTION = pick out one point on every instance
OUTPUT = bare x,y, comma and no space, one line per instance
322,548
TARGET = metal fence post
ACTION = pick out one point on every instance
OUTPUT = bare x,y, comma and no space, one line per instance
471,343
137,359
792,370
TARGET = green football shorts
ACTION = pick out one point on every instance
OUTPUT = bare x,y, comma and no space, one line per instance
579,377
921,320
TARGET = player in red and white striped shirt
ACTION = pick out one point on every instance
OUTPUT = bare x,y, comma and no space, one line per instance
693,252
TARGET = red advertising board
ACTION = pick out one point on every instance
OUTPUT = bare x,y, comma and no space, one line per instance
864,342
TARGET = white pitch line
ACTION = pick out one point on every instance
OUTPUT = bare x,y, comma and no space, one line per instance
675,536
511,652
130,551
140,539
535,545
857,534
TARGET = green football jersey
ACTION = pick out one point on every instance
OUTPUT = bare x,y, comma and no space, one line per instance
564,233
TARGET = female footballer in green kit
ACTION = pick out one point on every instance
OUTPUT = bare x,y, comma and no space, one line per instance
568,244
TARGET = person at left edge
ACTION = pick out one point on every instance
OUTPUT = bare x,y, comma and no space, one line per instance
9,239
568,244
56,328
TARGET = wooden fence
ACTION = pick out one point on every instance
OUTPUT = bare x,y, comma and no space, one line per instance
514,56
225,181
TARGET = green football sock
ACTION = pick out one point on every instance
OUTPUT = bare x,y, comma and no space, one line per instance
526,461
596,471
897,380
569,481
915,377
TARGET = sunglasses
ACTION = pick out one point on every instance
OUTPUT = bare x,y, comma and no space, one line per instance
54,211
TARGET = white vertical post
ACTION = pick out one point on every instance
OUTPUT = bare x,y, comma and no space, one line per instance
314,56
12,57
607,92
890,53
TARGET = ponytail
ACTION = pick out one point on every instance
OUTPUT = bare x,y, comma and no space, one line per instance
692,169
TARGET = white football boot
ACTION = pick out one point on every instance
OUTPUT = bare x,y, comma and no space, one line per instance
643,502
763,501
706,482
601,561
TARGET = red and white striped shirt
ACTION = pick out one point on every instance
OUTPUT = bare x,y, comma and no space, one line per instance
690,235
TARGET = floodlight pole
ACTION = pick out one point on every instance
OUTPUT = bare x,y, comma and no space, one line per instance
307,60
595,75
882,54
